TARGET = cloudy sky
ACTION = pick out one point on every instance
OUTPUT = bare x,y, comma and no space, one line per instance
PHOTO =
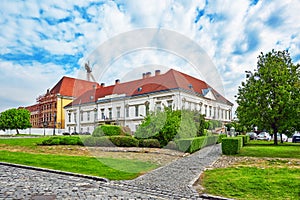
41,41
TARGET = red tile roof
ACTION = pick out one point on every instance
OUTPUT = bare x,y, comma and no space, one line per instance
172,79
72,87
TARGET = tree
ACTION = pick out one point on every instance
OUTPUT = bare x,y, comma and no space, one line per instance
15,119
270,98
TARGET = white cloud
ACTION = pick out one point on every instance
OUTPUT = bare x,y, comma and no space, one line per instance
233,33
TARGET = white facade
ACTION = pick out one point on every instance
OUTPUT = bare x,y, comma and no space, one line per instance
129,111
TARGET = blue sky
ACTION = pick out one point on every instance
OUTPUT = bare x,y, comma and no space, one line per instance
41,41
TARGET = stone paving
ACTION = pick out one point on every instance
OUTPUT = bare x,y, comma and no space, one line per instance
173,181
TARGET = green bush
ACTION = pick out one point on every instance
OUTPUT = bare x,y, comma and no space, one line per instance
194,144
246,139
62,141
97,141
152,143
231,145
107,130
221,136
171,145
124,141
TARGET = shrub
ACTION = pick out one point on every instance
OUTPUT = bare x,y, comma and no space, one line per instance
97,141
221,136
107,130
152,143
191,145
124,141
70,141
246,139
171,145
62,141
231,145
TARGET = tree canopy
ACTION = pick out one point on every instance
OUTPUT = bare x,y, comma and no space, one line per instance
270,97
15,119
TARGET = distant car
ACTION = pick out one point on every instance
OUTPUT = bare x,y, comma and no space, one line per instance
264,136
252,135
296,137
284,137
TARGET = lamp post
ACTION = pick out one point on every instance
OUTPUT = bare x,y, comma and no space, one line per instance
45,124
54,123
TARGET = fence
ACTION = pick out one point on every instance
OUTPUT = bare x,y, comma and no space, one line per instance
34,131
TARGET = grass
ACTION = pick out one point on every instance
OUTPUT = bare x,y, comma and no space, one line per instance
111,168
268,149
253,183
24,142
273,179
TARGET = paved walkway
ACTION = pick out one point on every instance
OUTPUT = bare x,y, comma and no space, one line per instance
173,181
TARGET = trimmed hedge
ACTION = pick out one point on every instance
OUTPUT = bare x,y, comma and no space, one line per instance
221,136
152,143
97,141
231,145
246,139
124,141
111,141
191,145
62,141
107,130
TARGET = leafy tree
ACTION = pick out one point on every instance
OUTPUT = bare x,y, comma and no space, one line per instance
270,98
169,124
15,119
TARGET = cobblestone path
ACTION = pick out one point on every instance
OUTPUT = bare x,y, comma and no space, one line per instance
173,181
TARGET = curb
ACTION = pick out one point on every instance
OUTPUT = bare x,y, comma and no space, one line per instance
56,172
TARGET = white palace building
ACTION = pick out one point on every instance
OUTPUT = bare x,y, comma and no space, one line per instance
127,103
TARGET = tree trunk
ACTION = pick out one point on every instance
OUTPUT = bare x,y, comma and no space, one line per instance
275,130
17,131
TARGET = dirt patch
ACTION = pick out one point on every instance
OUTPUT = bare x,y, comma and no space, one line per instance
154,155
234,161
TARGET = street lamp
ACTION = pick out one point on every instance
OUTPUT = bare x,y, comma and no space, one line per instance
45,124
54,123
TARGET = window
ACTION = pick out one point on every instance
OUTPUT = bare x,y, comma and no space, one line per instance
102,114
81,116
69,115
95,115
88,115
210,111
205,110
118,112
75,116
170,104
136,110
158,106
110,113
127,110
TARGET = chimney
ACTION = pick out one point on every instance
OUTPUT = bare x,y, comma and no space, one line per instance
157,72
117,81
102,84
148,74
144,75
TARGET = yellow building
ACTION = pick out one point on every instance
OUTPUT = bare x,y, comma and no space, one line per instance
49,110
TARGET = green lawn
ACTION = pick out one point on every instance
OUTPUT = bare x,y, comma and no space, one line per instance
253,183
268,181
24,142
268,149
113,169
